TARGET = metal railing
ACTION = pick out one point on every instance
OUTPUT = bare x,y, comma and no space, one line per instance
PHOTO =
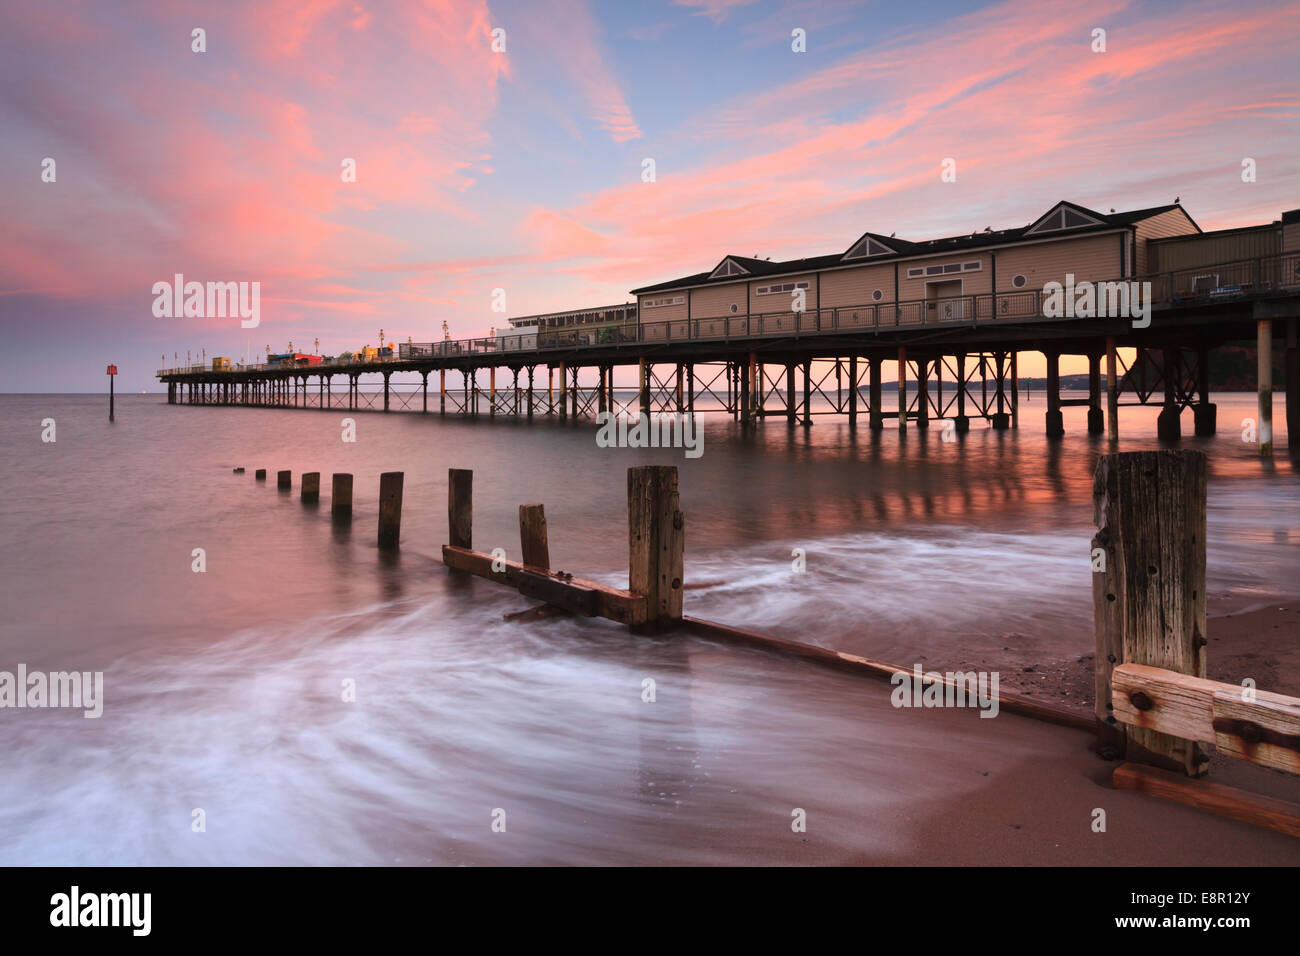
1204,284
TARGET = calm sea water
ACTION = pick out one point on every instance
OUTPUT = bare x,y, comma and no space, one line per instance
223,689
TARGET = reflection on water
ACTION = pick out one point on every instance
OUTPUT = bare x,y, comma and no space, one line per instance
224,689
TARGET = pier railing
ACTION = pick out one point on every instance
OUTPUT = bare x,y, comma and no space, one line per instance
1219,282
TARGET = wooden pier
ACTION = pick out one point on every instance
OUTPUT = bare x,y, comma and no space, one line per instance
954,364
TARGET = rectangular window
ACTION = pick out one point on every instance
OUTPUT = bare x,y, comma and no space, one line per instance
666,300
944,268
779,288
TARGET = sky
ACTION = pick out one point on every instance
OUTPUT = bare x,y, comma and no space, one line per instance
521,169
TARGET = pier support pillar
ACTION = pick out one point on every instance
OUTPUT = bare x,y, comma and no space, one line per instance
1168,426
576,393
1001,420
1015,390
755,388
644,371
681,373
386,375
807,391
875,421
1096,420
923,393
424,390
902,388
853,390
531,369
1264,346
1055,421
1292,371
492,392
602,396
442,391
1112,389
564,390
690,387
1204,413
789,393
962,421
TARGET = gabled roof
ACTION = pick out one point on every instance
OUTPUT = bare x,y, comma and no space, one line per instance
870,245
904,249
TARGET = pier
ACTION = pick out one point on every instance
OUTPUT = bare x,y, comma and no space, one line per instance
957,359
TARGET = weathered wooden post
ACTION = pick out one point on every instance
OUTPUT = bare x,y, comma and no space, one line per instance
655,541
260,474
341,497
311,487
1148,588
532,536
460,508
390,508
284,480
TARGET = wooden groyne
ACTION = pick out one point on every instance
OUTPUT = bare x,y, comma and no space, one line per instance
1155,709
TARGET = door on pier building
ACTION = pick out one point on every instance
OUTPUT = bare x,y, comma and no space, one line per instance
943,301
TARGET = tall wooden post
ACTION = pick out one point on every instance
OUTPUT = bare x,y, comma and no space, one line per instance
532,537
390,508
310,492
656,539
460,508
1148,587
284,480
341,497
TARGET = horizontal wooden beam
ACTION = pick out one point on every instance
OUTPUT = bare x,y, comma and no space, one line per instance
1280,815
1010,702
554,587
1264,730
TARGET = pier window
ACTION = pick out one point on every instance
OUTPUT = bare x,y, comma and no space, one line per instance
1019,282
944,268
780,287
663,301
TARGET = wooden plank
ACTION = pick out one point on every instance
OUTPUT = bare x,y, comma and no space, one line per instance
612,603
1265,730
460,508
1280,815
655,540
532,536
1150,513
1011,702
561,593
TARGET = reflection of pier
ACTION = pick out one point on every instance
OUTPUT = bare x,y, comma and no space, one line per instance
952,364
